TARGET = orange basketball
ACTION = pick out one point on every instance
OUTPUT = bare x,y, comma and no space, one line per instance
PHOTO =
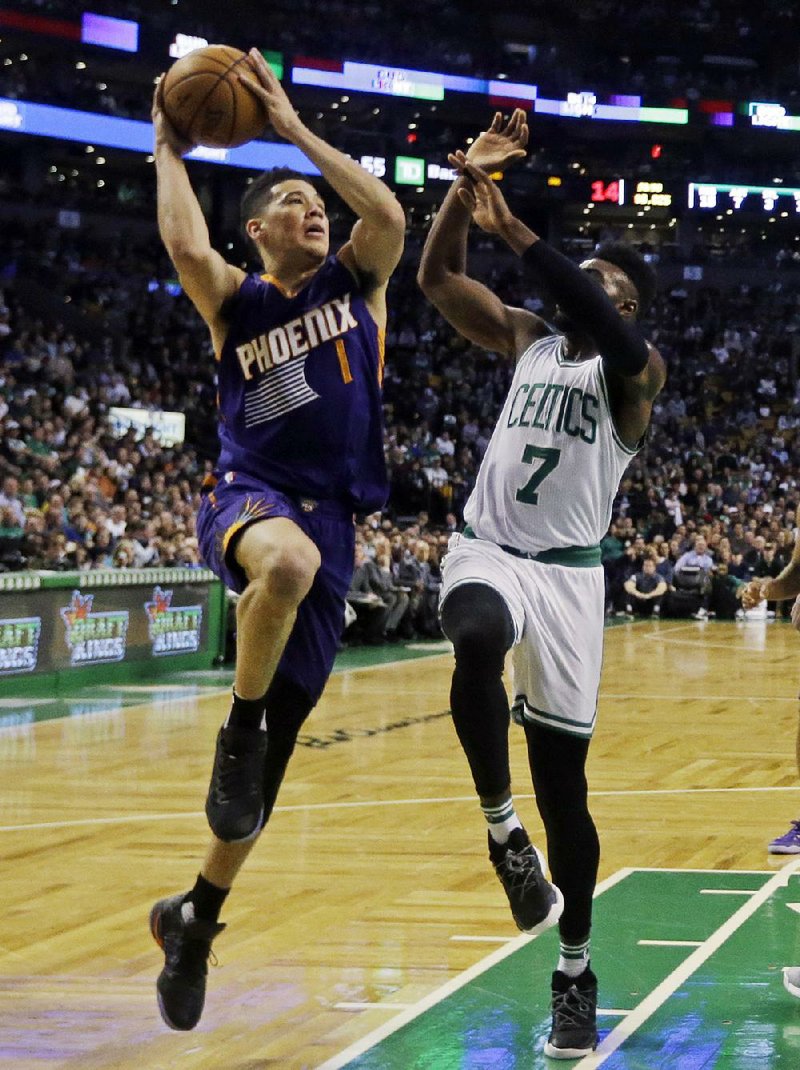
207,104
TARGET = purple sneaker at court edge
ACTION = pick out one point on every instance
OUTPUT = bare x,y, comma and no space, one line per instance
788,843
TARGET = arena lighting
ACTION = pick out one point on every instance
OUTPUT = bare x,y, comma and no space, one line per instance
91,129
66,124
584,105
403,82
17,20
711,195
122,34
763,113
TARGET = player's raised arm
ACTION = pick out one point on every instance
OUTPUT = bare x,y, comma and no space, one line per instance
619,340
206,276
469,306
376,242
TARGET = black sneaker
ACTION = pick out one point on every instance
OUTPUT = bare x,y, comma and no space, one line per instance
536,904
574,1032
235,802
186,942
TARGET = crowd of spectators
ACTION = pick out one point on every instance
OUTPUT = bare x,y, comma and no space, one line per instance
78,492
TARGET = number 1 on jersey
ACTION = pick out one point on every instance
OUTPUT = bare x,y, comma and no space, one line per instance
549,459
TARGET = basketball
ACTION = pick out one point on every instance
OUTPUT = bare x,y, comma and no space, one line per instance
207,104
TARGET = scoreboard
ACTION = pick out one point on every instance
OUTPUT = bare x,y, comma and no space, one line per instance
616,192
733,197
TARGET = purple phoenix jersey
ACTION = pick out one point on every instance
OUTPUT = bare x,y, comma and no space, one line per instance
301,430
300,389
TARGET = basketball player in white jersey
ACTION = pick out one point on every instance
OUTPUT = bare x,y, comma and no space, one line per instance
525,573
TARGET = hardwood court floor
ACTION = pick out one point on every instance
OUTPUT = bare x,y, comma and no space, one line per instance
375,858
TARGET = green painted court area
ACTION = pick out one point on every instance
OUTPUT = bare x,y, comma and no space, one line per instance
712,999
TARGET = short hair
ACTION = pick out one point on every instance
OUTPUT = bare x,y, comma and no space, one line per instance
260,190
641,274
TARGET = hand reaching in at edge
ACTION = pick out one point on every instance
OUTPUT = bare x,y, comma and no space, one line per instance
497,148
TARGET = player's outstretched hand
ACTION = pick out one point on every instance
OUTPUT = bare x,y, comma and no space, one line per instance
282,116
497,148
481,196
753,594
796,613
163,130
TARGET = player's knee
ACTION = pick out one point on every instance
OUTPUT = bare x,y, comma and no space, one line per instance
285,573
477,622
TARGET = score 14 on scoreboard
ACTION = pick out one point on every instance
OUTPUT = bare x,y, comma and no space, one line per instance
640,194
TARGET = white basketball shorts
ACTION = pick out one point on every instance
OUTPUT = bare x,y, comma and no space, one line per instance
558,614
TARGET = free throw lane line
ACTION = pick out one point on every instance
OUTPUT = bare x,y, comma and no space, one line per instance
682,973
438,995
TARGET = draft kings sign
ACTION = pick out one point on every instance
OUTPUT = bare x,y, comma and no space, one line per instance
93,638
172,629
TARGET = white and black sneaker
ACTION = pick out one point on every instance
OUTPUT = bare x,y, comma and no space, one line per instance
536,904
574,1030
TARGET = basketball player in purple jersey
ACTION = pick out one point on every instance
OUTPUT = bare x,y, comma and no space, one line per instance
299,350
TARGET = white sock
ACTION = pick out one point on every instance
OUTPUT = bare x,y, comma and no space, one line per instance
573,958
502,820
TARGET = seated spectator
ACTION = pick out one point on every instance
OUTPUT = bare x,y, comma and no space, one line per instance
664,566
395,598
627,565
12,536
372,613
725,600
691,581
697,557
10,499
144,549
426,621
645,590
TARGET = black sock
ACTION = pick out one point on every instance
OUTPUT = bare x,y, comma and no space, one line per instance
246,713
207,899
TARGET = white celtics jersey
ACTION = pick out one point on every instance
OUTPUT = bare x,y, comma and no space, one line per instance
554,462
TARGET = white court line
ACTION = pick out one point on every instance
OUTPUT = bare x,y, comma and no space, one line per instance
670,943
690,698
336,1062
365,803
482,939
659,869
684,971
728,891
371,1006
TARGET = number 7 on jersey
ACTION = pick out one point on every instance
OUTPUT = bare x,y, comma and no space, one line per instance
549,459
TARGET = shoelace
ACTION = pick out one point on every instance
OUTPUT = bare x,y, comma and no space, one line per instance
229,774
572,1008
521,867
193,954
